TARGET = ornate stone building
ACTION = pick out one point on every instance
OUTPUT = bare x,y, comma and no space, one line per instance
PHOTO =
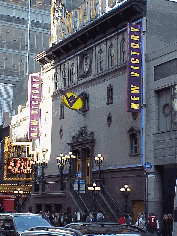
92,61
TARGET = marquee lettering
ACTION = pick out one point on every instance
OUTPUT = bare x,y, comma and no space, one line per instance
134,74
20,166
69,22
135,106
134,29
135,67
80,15
135,45
134,89
135,37
93,9
133,60
34,122
134,53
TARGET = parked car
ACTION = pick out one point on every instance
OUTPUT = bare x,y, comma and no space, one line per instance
104,228
55,231
17,223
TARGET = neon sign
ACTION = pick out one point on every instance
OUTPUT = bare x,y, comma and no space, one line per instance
20,165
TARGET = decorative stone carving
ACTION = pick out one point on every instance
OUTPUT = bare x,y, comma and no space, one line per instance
82,135
85,65
109,120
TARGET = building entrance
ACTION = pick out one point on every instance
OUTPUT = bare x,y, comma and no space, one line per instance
137,208
82,146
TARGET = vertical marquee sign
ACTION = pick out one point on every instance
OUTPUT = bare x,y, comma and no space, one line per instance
35,98
134,65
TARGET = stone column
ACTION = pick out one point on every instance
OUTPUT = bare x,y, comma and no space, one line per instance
53,207
43,208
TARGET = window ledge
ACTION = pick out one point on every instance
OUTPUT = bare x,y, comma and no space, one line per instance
137,154
108,103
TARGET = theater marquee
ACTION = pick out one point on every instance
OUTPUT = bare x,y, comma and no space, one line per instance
134,66
18,160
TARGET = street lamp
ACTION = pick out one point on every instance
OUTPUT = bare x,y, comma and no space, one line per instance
94,190
125,191
68,160
18,192
98,161
61,162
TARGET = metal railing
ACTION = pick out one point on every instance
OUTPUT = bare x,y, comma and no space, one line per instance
111,201
106,217
78,198
25,200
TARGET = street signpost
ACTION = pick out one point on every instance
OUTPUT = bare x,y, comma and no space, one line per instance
79,174
79,186
151,175
82,186
147,167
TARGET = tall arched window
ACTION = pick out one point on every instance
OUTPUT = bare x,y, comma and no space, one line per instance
134,136
123,50
100,60
71,74
64,76
110,56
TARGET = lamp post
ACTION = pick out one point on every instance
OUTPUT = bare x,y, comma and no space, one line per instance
125,191
43,165
18,192
98,161
68,160
94,190
61,162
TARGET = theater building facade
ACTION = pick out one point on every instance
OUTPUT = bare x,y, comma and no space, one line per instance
91,60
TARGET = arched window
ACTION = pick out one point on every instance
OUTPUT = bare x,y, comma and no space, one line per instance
64,76
100,60
123,50
71,74
134,141
111,56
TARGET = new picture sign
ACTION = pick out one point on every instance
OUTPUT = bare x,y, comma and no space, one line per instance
134,66
35,98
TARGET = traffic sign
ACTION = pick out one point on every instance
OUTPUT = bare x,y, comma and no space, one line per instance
79,174
147,166
151,175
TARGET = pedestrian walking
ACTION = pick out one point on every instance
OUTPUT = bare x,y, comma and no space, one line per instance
165,225
141,221
90,218
128,220
152,224
170,224
84,217
122,220
100,217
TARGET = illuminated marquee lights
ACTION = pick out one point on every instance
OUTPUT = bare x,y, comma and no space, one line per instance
134,66
20,165
18,168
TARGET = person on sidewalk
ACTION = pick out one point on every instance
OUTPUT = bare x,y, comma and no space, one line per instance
122,220
152,224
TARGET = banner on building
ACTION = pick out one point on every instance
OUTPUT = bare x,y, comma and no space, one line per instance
134,66
35,98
